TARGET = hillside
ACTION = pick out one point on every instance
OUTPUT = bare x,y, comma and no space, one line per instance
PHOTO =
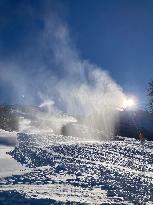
32,118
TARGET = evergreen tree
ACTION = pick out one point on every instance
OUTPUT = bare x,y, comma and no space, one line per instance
150,94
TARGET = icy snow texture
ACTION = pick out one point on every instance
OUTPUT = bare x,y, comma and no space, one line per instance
62,169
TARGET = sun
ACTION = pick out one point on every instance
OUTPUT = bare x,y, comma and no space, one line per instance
128,102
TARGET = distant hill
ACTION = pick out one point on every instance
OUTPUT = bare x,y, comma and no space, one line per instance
128,124
131,123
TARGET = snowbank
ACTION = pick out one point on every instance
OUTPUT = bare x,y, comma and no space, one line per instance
8,138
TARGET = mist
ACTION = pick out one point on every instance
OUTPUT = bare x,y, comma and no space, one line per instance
50,73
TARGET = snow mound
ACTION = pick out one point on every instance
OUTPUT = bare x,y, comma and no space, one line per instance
8,138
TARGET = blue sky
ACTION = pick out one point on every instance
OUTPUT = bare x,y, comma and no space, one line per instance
116,35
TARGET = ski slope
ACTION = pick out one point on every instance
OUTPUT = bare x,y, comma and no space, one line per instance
66,170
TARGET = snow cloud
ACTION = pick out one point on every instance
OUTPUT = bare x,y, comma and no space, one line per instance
50,68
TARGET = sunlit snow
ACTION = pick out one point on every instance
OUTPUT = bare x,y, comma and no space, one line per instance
65,169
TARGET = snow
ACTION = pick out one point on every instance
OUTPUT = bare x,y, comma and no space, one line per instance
64,169
8,165
62,193
42,122
8,138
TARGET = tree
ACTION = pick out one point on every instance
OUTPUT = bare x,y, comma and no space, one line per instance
150,94
8,119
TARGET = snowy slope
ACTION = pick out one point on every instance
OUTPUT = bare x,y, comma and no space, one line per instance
48,168
67,171
8,165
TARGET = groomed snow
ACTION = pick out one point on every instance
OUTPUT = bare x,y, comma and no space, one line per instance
8,165
85,172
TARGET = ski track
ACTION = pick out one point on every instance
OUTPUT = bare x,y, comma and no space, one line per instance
61,168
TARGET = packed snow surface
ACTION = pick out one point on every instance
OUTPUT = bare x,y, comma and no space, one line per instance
8,165
66,170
